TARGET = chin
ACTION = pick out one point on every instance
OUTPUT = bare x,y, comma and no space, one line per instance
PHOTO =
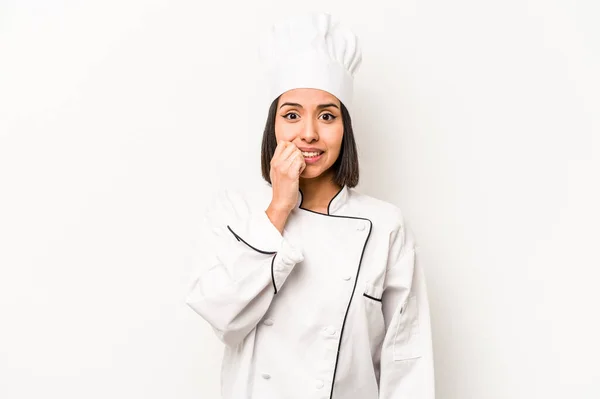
309,173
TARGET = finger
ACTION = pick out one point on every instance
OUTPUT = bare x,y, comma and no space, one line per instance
294,162
288,152
281,145
299,154
303,164
298,166
285,146
294,148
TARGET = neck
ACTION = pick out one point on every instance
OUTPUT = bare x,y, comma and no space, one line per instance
318,192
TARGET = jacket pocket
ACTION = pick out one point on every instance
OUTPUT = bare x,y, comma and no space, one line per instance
374,312
373,292
407,343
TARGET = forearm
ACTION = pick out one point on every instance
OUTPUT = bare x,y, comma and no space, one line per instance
278,216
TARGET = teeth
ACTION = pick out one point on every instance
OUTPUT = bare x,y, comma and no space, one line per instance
310,154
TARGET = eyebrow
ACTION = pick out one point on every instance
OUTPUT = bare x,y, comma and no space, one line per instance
320,106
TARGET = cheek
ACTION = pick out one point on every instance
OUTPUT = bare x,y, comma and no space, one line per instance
334,139
284,131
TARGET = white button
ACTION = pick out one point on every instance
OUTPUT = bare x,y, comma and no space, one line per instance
266,376
319,384
329,330
268,322
347,278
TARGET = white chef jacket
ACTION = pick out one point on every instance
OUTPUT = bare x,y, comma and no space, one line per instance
334,308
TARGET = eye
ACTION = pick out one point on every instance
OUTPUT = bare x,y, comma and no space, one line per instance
289,116
329,117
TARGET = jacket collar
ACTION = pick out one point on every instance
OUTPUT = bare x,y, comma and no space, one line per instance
336,202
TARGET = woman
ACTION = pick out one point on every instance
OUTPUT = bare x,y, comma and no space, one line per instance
312,286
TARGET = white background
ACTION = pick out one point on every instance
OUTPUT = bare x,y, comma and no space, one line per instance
119,119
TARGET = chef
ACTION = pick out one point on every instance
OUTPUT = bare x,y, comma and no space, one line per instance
313,287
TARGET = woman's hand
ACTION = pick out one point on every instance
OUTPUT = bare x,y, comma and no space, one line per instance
286,166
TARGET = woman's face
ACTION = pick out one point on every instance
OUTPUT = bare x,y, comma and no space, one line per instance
312,120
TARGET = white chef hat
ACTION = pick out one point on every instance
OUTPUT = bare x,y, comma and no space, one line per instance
311,51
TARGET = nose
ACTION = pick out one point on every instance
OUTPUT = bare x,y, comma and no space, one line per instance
309,131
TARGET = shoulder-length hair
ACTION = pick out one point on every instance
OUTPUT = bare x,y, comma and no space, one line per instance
346,171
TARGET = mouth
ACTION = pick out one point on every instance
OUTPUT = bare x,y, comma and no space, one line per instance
312,157
312,154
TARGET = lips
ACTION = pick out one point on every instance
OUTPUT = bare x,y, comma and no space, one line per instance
311,154
310,149
312,159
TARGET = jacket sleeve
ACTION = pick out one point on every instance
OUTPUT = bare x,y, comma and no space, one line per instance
244,261
407,369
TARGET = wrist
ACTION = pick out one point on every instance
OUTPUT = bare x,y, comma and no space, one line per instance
278,209
278,216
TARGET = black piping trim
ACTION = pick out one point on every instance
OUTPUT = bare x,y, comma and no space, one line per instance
273,274
256,249
338,193
237,237
328,205
337,357
372,297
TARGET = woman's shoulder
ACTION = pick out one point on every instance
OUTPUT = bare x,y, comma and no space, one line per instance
240,197
378,210
387,217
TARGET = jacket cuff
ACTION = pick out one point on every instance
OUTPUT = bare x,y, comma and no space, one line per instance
258,232
283,263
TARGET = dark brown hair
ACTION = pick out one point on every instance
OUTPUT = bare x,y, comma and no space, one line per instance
345,167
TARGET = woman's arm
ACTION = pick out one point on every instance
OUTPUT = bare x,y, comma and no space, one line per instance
245,261
407,356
